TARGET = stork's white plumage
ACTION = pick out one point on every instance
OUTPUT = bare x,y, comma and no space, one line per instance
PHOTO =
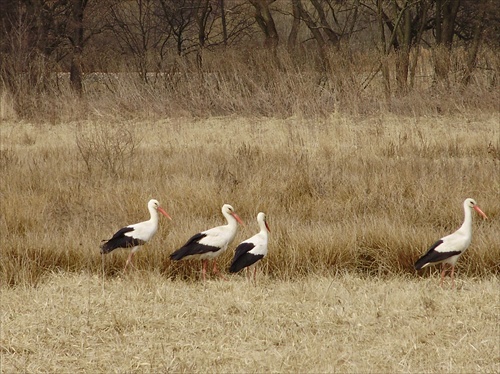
211,243
134,236
448,249
250,251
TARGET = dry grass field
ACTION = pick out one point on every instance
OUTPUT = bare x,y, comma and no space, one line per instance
351,202
362,194
145,323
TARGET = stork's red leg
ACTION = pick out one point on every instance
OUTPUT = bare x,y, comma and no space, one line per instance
204,269
453,276
216,271
443,272
129,260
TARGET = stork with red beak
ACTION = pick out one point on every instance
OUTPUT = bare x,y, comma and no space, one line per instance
134,236
448,249
210,244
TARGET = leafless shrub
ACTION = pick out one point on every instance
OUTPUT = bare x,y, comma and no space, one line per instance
107,148
8,159
494,149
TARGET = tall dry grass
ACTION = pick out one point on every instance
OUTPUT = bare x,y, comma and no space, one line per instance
366,194
254,83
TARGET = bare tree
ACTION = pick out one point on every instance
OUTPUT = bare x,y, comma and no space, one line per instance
204,9
266,22
324,21
384,64
83,20
476,41
76,37
139,30
328,21
313,28
223,21
444,25
193,23
406,21
401,25
294,29
180,16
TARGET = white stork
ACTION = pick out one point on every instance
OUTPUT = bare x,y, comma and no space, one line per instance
448,249
211,243
250,251
134,236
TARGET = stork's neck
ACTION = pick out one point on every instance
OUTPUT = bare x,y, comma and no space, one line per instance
154,215
467,225
231,221
263,228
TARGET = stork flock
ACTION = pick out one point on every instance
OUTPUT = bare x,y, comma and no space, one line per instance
210,244
205,245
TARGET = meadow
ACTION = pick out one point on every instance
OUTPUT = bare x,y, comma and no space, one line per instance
361,194
145,323
352,202
355,185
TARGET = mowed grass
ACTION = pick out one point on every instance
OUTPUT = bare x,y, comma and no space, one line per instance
144,323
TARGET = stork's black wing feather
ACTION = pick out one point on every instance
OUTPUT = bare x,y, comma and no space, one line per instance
244,261
434,256
193,247
120,240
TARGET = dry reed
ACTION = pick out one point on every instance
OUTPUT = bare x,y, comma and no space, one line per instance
254,83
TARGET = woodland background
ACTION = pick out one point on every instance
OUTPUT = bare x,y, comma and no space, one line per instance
147,58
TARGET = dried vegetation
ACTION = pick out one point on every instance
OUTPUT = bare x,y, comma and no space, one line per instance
144,323
363,194
355,189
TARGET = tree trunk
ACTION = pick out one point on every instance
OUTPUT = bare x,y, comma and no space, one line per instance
413,63
223,20
446,14
384,66
202,14
76,37
402,68
265,20
76,73
474,48
294,30
403,28
331,35
314,29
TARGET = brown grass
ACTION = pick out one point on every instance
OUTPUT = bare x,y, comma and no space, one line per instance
144,323
355,189
352,202
363,194
255,82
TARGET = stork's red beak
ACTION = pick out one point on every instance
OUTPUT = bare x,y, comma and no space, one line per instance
476,208
267,227
238,219
162,211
